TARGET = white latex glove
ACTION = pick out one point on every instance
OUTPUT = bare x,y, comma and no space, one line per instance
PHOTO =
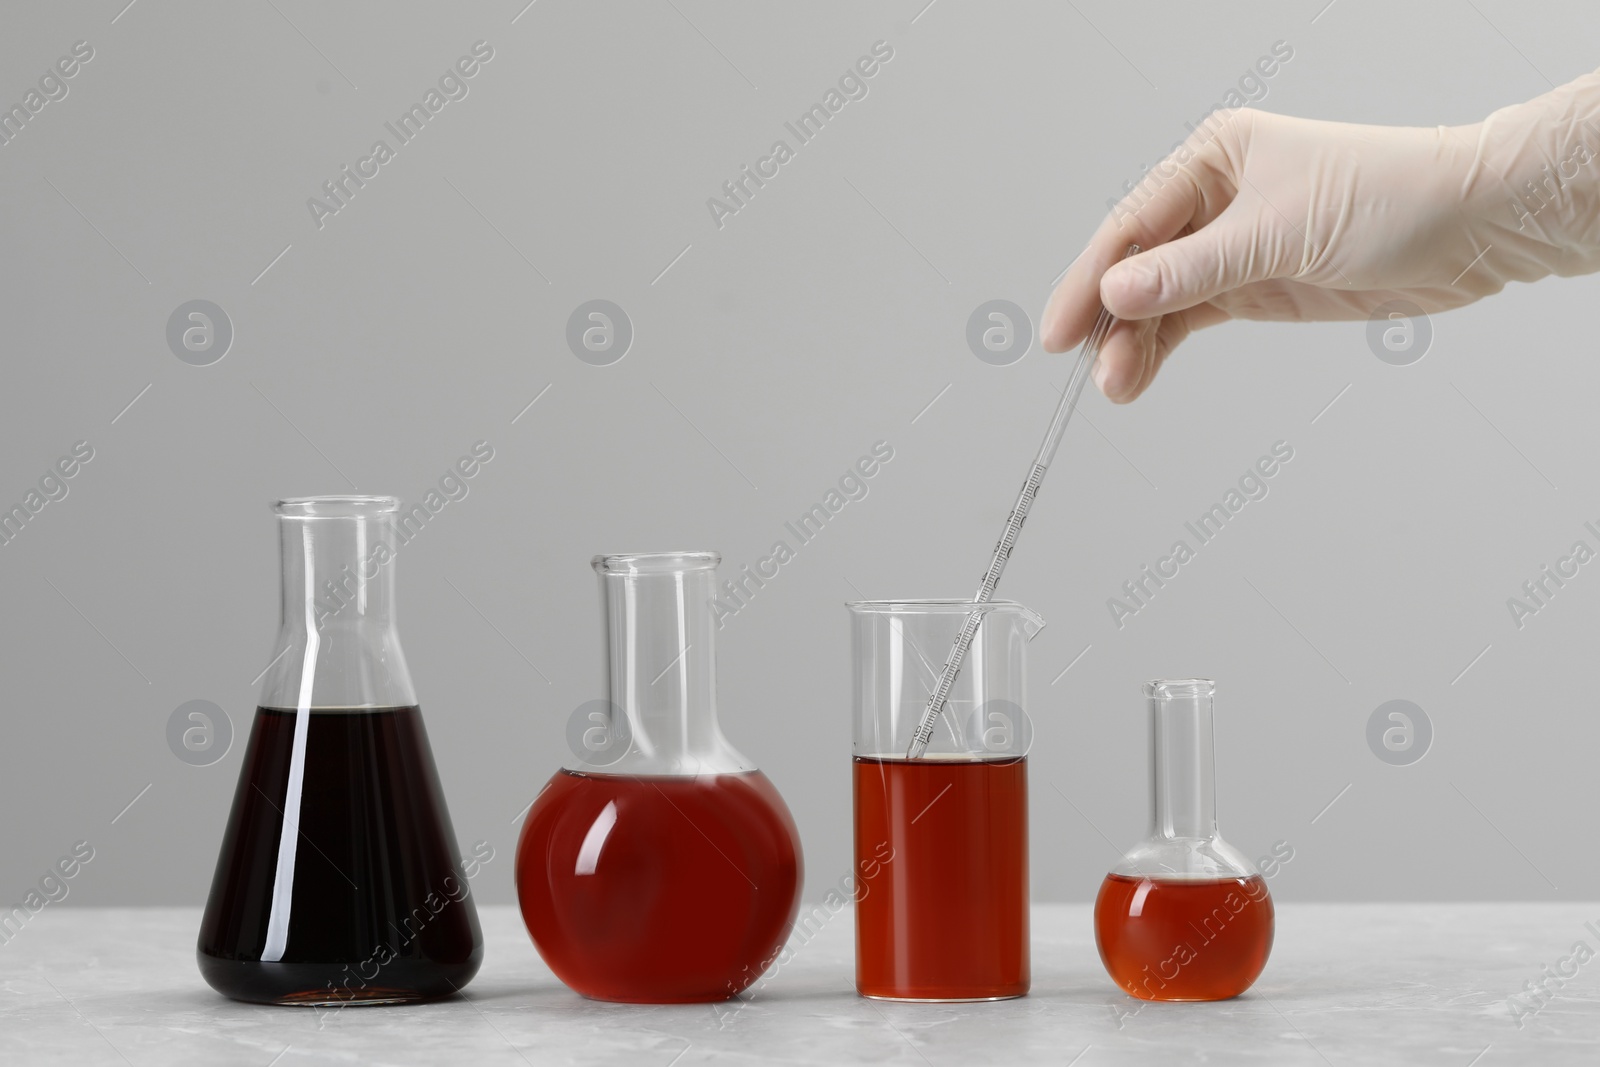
1261,216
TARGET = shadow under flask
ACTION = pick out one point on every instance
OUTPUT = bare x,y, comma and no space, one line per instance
1185,916
339,879
660,866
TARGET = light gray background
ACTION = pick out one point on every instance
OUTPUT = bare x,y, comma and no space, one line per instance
773,353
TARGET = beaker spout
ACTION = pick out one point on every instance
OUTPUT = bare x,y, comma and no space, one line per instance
1030,621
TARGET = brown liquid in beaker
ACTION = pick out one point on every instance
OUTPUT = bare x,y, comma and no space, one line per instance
1183,939
942,878
378,911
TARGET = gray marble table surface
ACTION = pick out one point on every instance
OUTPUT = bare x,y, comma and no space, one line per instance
1347,984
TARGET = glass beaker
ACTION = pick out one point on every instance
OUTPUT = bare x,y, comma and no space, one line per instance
662,867
338,881
1184,916
941,842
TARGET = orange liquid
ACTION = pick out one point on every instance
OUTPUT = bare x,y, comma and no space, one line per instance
941,878
659,889
1183,939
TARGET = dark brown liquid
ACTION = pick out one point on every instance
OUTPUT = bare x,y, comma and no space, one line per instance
379,909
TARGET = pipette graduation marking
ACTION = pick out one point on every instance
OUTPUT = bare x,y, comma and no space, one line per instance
1008,537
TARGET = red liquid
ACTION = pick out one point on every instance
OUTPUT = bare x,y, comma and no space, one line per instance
379,911
1181,939
659,889
942,878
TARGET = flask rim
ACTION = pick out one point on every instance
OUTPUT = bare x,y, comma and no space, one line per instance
1179,688
342,506
632,563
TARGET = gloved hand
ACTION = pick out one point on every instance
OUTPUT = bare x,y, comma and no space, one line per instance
1261,216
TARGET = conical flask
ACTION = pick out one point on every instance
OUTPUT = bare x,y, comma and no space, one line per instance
339,879
1184,916
660,866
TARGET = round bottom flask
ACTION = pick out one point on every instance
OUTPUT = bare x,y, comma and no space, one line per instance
661,867
1184,916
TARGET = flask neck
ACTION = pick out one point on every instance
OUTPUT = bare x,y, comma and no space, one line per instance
337,642
333,577
660,662
1183,785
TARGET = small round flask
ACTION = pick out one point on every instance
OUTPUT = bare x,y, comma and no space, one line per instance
1184,916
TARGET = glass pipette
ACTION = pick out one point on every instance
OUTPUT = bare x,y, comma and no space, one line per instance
1087,354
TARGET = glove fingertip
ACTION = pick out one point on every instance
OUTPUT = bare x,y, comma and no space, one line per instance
1128,289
